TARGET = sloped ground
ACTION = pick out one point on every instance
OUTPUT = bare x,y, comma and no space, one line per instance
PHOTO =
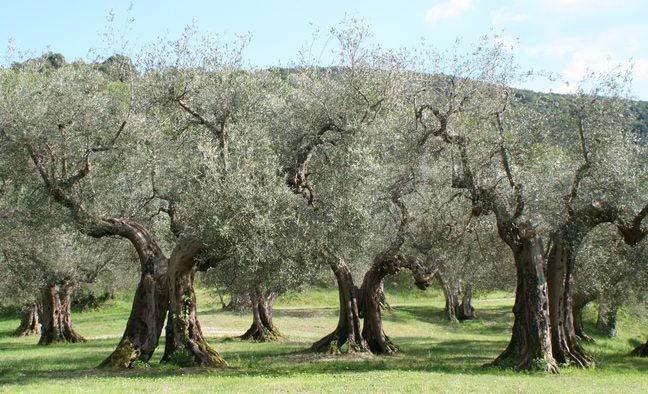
437,356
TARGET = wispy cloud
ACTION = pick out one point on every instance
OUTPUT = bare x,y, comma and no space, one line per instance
447,9
505,15
571,5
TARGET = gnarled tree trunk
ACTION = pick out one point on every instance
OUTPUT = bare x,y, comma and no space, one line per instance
150,303
451,295
372,330
347,335
530,345
580,301
466,310
606,321
262,328
56,316
29,323
238,302
560,266
188,347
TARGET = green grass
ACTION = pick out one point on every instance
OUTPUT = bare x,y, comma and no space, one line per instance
437,356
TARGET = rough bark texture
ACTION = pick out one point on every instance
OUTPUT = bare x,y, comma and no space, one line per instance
347,336
238,302
372,330
530,345
150,303
262,328
189,347
466,310
56,316
580,301
606,321
565,344
29,323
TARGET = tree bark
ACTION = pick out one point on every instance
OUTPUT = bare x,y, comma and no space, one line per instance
238,302
56,316
466,310
262,328
580,301
29,323
372,330
560,265
451,295
188,347
347,336
606,321
530,345
150,303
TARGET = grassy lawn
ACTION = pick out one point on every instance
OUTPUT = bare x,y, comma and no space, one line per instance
436,356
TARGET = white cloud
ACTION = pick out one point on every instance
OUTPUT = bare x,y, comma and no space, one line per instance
447,9
559,5
505,15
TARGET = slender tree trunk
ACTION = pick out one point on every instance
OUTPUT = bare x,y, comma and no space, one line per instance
641,350
56,316
372,330
564,341
189,346
606,321
451,295
238,302
29,323
150,303
530,345
262,328
347,336
580,301
466,310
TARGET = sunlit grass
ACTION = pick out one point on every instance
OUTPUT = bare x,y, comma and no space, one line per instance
437,356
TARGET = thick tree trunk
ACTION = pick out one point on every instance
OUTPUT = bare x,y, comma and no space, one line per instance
238,302
466,310
641,350
451,295
347,336
189,347
530,345
564,341
262,328
580,301
150,303
56,316
372,330
606,321
29,323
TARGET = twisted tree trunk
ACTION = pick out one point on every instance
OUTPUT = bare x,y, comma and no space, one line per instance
150,302
188,346
372,330
238,302
56,316
29,323
347,335
530,345
560,265
262,328
466,310
451,295
606,321
580,301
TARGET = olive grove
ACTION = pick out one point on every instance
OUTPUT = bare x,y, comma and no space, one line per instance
379,162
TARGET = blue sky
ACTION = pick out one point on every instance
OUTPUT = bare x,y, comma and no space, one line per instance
562,36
